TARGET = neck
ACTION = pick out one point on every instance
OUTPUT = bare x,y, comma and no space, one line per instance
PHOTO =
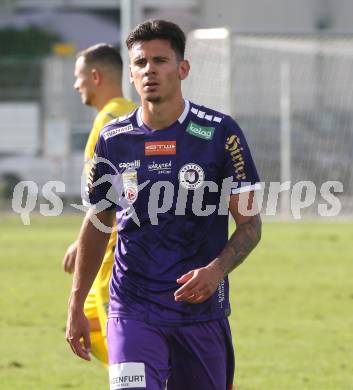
161,115
103,97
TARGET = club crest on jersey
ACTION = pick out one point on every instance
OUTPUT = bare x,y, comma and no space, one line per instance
202,132
155,148
191,176
130,185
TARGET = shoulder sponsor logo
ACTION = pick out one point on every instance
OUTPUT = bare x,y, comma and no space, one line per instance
191,176
118,130
161,168
127,375
200,131
132,164
155,148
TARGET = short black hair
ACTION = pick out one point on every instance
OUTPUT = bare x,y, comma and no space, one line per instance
103,54
159,29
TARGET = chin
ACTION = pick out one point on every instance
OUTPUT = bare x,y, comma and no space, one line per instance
153,99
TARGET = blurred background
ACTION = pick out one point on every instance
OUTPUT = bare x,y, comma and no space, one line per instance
284,70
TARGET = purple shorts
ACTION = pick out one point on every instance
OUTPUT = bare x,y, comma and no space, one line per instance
191,357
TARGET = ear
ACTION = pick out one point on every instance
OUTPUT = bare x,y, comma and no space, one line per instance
130,75
184,68
96,76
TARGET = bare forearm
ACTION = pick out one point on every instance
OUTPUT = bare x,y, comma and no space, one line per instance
240,244
91,248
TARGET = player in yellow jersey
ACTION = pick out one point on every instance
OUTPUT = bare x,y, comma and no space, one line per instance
98,74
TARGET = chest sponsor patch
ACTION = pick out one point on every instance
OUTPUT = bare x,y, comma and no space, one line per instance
130,165
118,130
127,376
161,167
202,132
155,148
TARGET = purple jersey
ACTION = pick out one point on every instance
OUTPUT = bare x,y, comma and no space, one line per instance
168,200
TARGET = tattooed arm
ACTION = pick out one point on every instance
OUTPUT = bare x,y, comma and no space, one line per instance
243,240
198,285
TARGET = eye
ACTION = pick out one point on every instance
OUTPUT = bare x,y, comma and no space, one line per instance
140,62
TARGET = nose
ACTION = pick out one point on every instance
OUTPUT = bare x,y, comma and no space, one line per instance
150,68
75,86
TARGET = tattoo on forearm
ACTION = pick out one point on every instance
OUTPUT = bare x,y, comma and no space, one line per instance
241,243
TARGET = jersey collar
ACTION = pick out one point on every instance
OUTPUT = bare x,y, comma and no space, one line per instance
181,118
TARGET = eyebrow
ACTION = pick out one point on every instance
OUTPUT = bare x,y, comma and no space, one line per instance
142,57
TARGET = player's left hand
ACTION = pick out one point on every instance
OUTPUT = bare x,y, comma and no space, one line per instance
77,329
199,284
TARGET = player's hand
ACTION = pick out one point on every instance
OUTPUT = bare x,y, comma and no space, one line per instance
78,327
70,258
199,284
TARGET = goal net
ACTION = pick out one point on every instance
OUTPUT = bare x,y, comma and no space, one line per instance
293,97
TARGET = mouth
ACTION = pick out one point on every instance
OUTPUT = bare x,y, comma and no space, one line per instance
150,84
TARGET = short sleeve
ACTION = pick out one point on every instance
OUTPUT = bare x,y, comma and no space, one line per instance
100,180
239,164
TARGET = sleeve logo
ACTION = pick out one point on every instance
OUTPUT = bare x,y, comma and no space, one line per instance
90,167
234,148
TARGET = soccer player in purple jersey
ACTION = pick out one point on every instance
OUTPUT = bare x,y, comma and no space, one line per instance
168,163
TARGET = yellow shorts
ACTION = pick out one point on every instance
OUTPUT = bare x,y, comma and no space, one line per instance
99,347
96,306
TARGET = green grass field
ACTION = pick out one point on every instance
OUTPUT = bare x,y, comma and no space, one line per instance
292,315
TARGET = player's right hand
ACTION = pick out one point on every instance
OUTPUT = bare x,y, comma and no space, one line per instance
77,328
70,258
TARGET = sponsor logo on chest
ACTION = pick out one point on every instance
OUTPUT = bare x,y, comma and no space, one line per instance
202,132
155,148
160,168
132,164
